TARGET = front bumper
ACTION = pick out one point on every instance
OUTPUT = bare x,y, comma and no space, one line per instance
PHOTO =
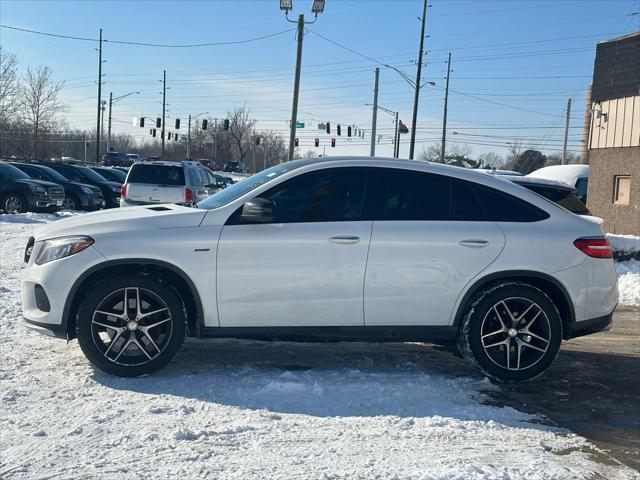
50,330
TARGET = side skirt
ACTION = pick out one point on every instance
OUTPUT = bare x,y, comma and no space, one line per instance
335,334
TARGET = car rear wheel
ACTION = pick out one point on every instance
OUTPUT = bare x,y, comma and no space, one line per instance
14,203
511,331
131,325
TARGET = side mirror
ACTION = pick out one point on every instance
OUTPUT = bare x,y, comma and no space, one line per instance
258,210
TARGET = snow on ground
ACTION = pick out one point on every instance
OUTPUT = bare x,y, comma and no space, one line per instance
628,245
237,409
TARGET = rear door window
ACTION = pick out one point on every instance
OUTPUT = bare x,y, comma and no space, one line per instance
156,174
417,196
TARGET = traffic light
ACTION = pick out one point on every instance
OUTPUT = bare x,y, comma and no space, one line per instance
333,142
296,143
169,136
175,137
348,131
257,140
339,130
225,125
141,122
317,142
205,122
158,122
177,124
328,127
153,132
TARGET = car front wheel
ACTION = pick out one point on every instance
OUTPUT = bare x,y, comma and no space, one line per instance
131,325
14,203
511,331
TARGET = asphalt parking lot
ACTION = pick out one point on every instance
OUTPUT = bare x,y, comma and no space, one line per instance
593,389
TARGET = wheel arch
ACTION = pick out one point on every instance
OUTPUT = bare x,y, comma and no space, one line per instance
174,276
549,285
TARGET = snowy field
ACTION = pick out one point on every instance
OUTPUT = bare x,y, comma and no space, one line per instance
237,410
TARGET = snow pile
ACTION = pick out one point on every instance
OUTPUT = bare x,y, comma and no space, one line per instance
624,246
629,282
236,409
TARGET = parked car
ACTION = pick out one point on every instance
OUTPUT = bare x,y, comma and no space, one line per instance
558,192
339,249
576,176
183,182
77,196
20,193
82,174
111,173
232,167
495,171
116,159
133,157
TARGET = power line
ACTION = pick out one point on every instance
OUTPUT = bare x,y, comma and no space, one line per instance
144,44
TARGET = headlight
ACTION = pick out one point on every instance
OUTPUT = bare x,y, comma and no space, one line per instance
37,189
62,247
87,190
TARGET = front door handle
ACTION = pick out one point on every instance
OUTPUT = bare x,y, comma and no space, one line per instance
474,243
345,239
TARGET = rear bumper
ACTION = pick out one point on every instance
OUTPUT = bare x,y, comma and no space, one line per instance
593,325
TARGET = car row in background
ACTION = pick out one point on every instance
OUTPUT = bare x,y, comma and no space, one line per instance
21,193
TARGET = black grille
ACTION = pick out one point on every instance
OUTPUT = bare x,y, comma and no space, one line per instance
42,301
56,193
28,249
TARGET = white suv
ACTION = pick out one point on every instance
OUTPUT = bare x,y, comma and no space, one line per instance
156,182
337,249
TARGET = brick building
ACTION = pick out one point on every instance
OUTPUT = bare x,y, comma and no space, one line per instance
614,135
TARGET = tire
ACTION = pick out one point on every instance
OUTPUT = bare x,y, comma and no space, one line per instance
70,202
128,342
14,203
511,332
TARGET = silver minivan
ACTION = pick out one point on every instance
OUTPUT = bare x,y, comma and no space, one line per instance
152,182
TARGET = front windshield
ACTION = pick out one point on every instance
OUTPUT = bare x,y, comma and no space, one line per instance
52,174
91,175
9,172
237,190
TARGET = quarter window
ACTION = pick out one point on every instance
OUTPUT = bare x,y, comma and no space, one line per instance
502,207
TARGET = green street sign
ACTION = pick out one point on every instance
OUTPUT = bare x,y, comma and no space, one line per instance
298,124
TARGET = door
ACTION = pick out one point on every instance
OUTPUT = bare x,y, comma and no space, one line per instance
429,241
306,268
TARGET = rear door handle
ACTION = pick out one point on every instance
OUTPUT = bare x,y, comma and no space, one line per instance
474,243
345,239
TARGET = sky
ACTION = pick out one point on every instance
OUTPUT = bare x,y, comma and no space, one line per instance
514,64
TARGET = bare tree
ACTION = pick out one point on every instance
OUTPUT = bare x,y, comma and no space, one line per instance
39,101
241,127
491,160
8,84
455,152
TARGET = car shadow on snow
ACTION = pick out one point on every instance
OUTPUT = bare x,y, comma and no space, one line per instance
327,380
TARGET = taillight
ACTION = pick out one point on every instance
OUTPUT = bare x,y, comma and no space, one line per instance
188,195
597,247
123,190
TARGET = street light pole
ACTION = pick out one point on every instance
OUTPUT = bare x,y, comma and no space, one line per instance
164,94
444,118
396,149
374,120
317,7
296,88
99,98
189,138
417,87
111,102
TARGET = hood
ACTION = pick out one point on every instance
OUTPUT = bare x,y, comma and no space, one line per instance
86,185
42,183
148,217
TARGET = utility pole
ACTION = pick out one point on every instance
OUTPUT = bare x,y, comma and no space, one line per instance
396,144
109,127
102,109
99,98
164,96
264,158
374,119
85,147
444,118
566,134
296,88
417,92
189,138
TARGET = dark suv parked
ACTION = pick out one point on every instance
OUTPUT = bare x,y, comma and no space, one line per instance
82,174
112,159
77,196
20,193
